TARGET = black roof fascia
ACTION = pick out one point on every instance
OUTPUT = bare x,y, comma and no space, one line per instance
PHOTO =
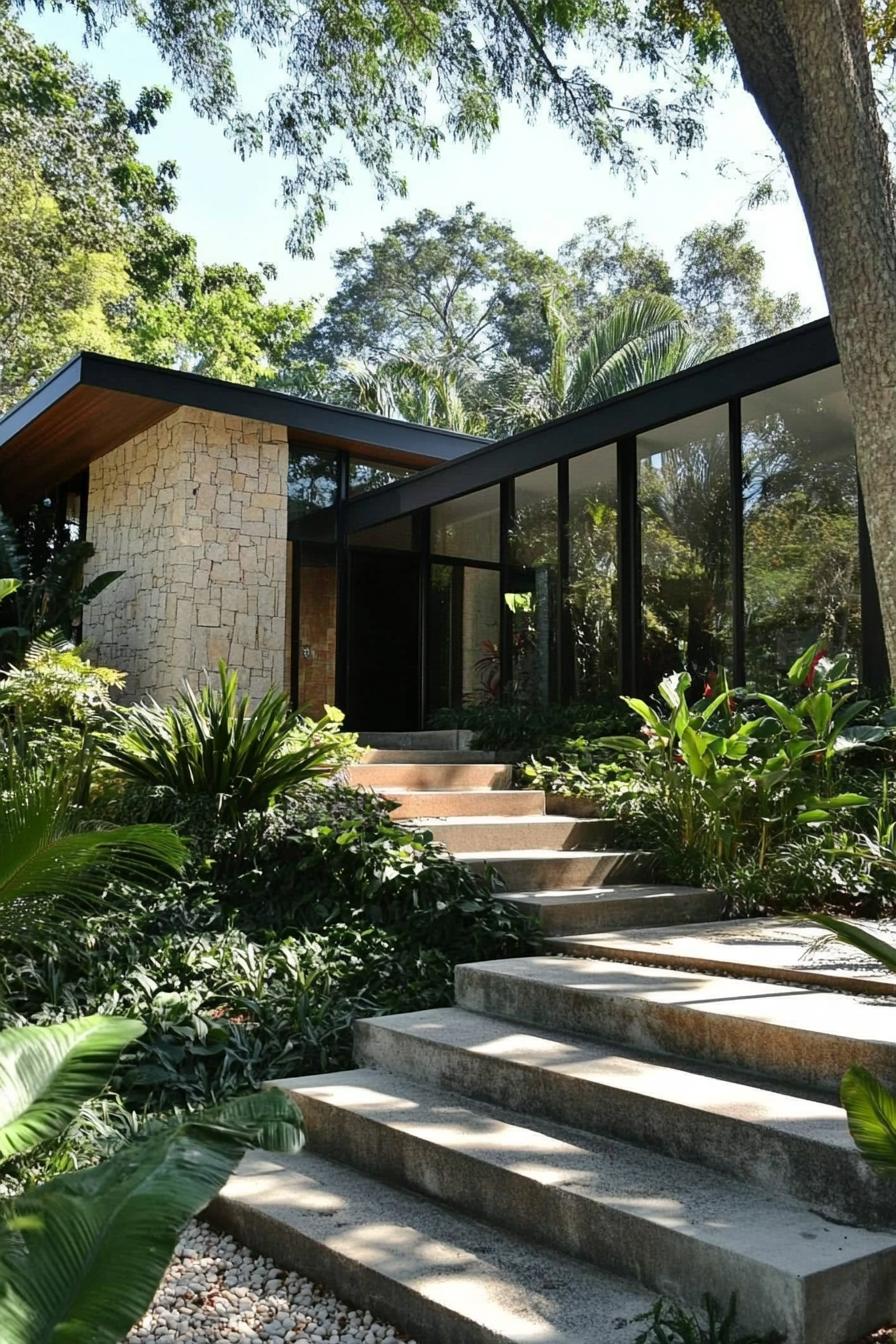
778,359
41,399
254,403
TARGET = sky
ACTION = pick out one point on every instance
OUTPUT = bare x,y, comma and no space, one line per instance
533,176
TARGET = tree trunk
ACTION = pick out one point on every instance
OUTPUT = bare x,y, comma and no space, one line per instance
806,64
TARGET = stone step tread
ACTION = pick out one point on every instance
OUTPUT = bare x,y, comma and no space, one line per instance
496,855
391,756
631,1185
630,891
762,949
402,791
565,1055
437,1274
514,823
776,1029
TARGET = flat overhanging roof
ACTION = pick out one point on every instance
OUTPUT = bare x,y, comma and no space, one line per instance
778,359
96,402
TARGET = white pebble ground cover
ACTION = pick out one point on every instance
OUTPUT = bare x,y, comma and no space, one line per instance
218,1292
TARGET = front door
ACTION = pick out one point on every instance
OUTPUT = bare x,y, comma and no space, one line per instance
383,641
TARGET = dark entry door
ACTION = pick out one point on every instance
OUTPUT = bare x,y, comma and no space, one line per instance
383,641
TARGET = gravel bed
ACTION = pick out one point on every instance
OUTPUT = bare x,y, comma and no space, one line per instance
216,1290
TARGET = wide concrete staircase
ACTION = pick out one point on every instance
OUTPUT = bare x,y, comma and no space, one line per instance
654,1112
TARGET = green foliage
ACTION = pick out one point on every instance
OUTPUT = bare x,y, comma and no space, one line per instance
539,730
57,685
668,1322
50,864
286,926
213,744
82,1256
733,779
47,1073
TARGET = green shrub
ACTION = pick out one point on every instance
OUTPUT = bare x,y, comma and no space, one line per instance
668,1322
288,925
214,744
539,730
57,686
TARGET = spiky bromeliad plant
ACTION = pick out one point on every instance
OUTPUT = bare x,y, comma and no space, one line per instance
81,1256
212,743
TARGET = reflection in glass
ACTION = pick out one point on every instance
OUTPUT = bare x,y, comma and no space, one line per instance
593,584
684,486
364,475
469,527
800,522
464,635
396,535
312,482
533,585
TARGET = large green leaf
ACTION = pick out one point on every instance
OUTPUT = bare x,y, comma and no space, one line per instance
47,1073
860,938
82,1257
871,1109
8,587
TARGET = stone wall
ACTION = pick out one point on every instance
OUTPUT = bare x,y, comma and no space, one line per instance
194,511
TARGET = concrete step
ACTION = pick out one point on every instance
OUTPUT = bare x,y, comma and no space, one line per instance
674,1225
390,756
553,870
782,1141
440,1276
466,803
801,1036
761,949
625,907
432,739
438,777
467,835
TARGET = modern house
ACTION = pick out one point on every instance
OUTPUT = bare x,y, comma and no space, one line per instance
394,569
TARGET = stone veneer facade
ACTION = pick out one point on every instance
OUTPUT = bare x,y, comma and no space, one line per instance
194,511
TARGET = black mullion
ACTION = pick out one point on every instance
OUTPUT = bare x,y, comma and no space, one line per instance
629,543
565,636
422,536
738,584
505,618
343,584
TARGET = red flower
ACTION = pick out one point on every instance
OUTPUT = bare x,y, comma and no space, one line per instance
810,675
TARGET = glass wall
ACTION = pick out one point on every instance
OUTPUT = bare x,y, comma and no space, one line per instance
364,475
464,662
594,572
468,528
532,586
312,483
684,489
801,562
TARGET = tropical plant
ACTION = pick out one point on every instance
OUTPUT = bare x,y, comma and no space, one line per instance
50,863
668,1322
82,1256
56,685
213,744
730,778
407,389
49,601
870,1106
640,340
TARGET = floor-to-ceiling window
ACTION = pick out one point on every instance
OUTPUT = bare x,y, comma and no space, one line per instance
531,590
801,561
593,600
464,642
684,492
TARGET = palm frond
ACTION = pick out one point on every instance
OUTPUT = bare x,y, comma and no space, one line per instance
82,1257
47,1073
